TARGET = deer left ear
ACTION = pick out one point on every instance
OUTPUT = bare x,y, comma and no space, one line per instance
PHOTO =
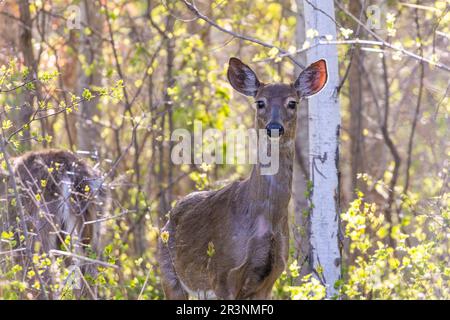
312,79
242,78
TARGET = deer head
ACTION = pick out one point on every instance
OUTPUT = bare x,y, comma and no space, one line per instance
276,103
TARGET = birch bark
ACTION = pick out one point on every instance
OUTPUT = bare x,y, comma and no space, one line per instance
324,127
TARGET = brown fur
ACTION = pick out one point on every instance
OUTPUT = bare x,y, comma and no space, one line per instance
247,221
70,194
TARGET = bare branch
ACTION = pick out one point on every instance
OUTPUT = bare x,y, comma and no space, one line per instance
194,9
73,255
391,46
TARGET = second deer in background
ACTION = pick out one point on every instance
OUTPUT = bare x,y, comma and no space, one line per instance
59,196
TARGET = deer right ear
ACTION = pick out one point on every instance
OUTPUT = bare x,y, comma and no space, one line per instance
312,79
242,78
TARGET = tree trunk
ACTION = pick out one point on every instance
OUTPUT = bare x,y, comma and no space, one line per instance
90,51
324,127
301,228
26,48
356,108
170,82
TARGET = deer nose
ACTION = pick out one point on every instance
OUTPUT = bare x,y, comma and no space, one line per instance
276,128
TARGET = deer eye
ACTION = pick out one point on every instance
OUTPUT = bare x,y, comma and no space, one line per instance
292,104
260,104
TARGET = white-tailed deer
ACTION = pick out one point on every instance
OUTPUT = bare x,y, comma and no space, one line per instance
59,193
245,222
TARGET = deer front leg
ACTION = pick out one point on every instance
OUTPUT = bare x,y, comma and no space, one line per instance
279,254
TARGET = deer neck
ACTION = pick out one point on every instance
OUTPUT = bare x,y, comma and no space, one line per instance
269,195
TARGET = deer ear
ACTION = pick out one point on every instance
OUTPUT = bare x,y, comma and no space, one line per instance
312,79
242,78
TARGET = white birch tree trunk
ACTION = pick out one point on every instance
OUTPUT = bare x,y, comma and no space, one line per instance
324,127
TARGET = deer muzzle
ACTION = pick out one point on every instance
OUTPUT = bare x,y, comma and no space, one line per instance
274,129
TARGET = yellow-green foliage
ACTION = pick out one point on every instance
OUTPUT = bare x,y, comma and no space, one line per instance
416,265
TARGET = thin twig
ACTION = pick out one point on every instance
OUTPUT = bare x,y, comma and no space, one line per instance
145,283
73,255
